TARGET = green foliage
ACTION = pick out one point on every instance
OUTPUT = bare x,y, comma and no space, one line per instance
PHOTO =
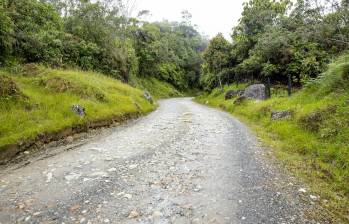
276,39
6,32
217,60
37,31
170,52
96,35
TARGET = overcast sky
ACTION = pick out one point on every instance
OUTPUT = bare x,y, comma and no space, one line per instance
211,16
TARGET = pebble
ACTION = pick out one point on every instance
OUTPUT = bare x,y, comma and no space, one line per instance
36,213
302,190
100,174
133,166
27,219
313,197
157,214
133,214
70,139
112,169
72,176
128,196
49,177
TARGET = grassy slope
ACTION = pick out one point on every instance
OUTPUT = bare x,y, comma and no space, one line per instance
158,89
43,99
314,143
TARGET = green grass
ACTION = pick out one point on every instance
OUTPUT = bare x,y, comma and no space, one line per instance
158,89
40,101
314,143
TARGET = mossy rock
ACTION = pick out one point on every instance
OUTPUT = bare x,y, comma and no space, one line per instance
57,84
9,88
32,70
314,120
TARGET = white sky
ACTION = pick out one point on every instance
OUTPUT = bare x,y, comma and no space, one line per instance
212,17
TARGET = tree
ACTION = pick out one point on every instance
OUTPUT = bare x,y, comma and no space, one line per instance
6,33
217,59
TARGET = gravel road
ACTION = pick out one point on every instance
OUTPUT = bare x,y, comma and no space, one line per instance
184,163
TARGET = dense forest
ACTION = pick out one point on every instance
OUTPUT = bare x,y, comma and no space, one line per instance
99,36
280,40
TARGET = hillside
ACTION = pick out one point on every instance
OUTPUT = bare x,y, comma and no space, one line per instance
313,143
35,100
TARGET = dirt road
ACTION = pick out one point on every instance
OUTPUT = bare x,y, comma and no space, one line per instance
184,163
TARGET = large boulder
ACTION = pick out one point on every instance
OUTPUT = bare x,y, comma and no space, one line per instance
233,93
256,92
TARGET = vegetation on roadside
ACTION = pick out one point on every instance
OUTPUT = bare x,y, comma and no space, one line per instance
278,40
314,142
100,36
37,100
158,89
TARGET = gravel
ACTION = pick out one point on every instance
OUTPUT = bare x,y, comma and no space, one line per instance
184,163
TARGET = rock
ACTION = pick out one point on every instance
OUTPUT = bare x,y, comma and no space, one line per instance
256,92
232,93
113,169
133,166
239,100
197,188
21,206
302,190
78,110
99,174
37,214
313,197
127,196
196,221
157,214
133,214
9,88
72,176
49,177
69,140
279,115
148,97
